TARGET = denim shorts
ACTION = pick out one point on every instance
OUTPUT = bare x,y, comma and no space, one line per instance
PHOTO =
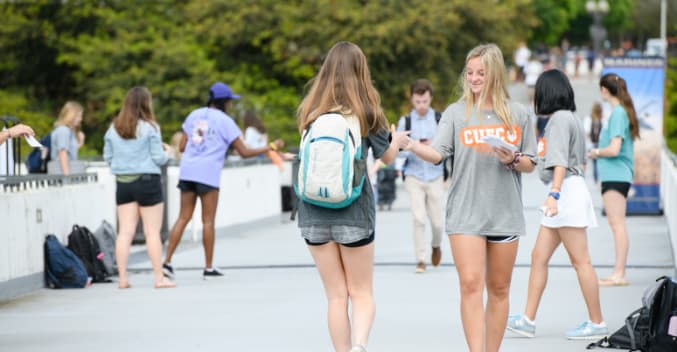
345,235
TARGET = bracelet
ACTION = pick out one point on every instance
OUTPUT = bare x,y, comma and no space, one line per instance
272,146
511,166
597,152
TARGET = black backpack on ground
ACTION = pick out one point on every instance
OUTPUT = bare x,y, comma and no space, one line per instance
83,243
446,163
63,269
646,329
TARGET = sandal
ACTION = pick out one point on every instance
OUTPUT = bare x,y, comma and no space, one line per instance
613,281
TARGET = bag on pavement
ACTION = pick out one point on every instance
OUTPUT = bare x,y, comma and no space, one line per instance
83,243
105,235
651,328
63,269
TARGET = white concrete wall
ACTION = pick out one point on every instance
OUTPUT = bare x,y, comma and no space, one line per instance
247,193
22,232
669,198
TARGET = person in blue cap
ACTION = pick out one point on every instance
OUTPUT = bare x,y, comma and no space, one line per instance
208,132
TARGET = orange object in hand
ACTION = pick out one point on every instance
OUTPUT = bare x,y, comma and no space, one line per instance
276,159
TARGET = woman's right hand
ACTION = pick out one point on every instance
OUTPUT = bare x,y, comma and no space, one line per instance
21,130
400,138
278,144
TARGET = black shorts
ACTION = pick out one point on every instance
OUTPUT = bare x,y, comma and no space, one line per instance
195,187
360,243
146,190
621,187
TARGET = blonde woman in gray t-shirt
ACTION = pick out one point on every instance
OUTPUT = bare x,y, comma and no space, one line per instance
567,210
484,216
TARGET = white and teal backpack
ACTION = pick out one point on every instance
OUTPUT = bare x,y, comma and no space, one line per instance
331,169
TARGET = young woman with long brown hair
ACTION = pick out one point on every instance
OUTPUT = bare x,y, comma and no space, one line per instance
341,240
484,217
134,150
616,166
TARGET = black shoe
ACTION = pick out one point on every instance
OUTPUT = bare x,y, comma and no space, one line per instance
208,274
168,271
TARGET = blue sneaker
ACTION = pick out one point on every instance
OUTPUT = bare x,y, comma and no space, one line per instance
588,331
519,325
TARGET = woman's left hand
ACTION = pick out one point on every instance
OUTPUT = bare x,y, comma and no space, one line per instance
505,156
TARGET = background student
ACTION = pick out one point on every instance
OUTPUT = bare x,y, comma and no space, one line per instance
424,181
567,211
134,150
207,134
66,139
616,166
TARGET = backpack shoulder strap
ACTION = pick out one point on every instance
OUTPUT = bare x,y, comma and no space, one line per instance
438,117
407,122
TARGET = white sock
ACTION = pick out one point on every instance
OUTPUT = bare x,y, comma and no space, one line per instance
529,320
600,325
209,269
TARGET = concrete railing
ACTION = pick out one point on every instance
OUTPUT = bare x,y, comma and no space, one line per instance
33,206
669,197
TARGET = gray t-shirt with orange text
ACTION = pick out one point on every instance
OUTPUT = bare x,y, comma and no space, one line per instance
485,198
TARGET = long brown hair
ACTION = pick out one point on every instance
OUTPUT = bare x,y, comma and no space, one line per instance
343,84
138,105
252,120
494,88
618,88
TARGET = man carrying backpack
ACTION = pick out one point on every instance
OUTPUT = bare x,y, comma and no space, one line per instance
423,180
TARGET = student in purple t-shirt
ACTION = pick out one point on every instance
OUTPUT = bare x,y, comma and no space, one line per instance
207,134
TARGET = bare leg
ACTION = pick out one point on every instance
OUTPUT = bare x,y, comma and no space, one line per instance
328,261
547,242
500,263
358,265
575,241
470,256
209,201
188,200
152,222
128,216
615,205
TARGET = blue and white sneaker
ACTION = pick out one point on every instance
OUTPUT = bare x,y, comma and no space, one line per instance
520,325
588,331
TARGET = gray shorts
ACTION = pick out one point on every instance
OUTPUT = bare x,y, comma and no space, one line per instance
338,233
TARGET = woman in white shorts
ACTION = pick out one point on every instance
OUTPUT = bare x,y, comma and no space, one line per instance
568,209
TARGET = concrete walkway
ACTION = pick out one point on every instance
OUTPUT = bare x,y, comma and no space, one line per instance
272,298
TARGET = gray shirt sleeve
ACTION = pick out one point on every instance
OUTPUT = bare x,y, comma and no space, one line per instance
443,142
528,143
379,143
61,139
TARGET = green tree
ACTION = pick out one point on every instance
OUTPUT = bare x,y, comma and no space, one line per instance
94,51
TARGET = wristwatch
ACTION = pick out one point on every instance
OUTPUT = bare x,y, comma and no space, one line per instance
554,195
